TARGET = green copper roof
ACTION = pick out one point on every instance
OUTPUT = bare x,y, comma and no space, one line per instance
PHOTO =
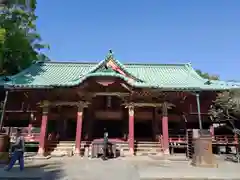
68,74
226,83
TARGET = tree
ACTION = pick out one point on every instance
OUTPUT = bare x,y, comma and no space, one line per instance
20,44
207,76
226,108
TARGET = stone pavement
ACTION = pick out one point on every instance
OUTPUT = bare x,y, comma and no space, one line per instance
183,170
33,170
129,168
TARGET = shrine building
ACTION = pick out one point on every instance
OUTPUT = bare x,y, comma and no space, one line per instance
141,105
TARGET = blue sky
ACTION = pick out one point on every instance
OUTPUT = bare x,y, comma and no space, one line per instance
203,32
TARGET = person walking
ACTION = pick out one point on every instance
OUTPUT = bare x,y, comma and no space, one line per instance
105,144
18,152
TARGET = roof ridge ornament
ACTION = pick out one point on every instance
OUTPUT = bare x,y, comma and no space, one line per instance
110,55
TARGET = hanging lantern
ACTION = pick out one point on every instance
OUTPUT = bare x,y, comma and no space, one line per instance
32,117
109,101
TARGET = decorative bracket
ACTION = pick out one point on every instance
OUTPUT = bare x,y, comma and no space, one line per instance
118,94
131,110
45,107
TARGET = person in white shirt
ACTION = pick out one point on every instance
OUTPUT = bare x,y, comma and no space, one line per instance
18,154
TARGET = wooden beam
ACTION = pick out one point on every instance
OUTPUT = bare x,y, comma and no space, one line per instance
119,94
136,104
142,104
65,103
19,111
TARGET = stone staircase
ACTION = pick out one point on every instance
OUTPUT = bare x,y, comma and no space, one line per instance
61,148
143,148
66,148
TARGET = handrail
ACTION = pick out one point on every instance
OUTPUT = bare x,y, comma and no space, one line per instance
218,139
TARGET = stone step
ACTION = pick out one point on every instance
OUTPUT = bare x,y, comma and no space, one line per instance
141,148
61,145
148,149
147,145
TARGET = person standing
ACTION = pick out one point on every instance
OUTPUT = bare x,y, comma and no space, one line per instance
18,152
105,144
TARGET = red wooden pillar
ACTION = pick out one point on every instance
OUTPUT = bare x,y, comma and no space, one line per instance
131,129
165,128
154,124
43,132
79,131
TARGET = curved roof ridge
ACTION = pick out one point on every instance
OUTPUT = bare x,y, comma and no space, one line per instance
193,72
111,74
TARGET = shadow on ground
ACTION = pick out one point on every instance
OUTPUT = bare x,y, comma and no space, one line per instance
33,171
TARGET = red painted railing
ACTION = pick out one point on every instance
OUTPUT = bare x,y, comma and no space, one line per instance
218,139
177,139
227,139
28,136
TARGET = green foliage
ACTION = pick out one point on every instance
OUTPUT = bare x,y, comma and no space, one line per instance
20,44
207,76
2,36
